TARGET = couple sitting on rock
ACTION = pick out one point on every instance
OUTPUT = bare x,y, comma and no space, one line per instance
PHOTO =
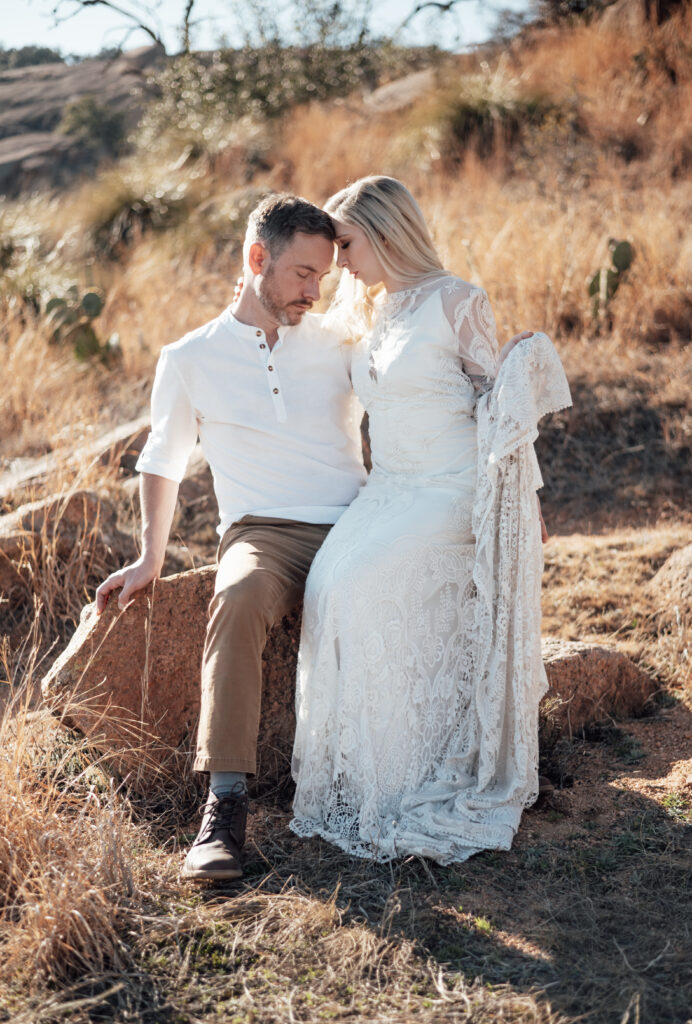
420,670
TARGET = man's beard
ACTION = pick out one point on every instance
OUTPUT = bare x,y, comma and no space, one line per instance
269,298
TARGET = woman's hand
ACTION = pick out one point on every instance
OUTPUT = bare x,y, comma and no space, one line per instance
544,528
506,349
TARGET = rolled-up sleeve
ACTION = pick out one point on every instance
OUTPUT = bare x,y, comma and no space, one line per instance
173,424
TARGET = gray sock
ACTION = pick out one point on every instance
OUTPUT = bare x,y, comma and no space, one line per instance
221,783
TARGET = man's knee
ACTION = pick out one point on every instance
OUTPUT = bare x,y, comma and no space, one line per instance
252,597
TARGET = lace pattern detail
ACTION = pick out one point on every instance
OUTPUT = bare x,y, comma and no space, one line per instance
474,326
420,670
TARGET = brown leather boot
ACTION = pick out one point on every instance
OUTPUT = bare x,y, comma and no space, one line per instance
215,853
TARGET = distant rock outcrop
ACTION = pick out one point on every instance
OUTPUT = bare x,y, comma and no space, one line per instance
401,93
130,680
32,101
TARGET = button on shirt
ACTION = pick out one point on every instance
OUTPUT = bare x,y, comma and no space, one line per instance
279,428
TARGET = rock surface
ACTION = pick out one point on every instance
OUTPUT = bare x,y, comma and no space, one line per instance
122,445
401,93
32,101
52,530
590,683
130,681
672,584
194,539
197,512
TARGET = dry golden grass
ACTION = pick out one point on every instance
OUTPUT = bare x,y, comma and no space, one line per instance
532,226
597,588
633,89
48,398
314,935
585,918
51,582
62,864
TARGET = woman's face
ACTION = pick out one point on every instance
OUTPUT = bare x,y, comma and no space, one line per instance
354,251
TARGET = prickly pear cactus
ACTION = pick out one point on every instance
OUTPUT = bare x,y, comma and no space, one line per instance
70,319
622,255
603,285
91,304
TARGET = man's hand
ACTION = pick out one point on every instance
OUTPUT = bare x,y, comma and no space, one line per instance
157,496
128,581
506,349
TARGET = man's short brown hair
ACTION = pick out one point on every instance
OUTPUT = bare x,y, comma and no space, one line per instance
280,216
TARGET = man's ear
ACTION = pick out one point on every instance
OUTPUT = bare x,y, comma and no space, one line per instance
258,258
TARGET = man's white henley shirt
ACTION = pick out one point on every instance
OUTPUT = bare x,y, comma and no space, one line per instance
280,429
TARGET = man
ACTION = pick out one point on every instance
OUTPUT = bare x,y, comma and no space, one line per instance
268,391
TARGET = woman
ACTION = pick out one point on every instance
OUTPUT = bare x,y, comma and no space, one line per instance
420,669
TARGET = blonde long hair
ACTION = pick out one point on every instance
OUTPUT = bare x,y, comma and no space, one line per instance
395,227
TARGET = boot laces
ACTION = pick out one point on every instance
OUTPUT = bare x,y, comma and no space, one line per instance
228,812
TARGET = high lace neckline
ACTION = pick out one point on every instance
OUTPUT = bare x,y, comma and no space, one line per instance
404,291
401,294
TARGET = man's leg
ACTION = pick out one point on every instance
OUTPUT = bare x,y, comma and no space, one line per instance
263,564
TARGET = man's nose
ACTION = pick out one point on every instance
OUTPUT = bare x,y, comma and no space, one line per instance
312,290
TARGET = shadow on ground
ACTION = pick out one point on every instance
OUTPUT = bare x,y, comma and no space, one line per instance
619,457
587,917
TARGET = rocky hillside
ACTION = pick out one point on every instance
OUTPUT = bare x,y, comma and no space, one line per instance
33,101
534,165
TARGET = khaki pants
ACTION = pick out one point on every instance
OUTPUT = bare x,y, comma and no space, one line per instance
262,567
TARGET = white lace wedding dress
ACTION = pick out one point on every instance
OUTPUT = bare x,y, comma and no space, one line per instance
420,670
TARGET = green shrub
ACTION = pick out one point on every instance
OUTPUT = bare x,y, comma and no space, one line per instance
204,98
483,111
27,56
100,129
125,204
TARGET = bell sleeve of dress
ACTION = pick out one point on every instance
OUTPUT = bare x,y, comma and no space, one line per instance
173,423
510,678
473,322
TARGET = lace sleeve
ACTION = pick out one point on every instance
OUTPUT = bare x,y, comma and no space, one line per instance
472,319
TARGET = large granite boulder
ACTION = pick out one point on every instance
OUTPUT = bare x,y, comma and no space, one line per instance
671,587
590,683
130,681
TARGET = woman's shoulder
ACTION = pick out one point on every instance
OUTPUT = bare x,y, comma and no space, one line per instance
458,297
457,288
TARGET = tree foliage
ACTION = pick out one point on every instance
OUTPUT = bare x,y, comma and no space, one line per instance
25,56
561,10
202,97
99,128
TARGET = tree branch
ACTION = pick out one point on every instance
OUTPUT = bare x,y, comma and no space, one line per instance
441,5
186,25
83,4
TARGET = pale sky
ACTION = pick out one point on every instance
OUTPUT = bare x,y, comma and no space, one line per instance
26,22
